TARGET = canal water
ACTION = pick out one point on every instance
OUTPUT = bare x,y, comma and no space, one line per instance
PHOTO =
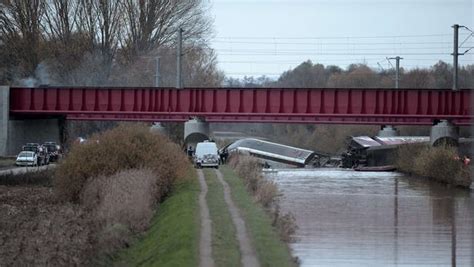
349,218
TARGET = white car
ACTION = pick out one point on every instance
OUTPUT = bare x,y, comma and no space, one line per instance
27,158
206,155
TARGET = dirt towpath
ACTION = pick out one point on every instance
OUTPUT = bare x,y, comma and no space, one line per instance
21,170
205,248
248,255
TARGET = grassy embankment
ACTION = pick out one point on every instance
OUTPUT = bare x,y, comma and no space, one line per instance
173,236
270,249
438,163
225,247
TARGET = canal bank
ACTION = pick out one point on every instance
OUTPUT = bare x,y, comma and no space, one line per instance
241,234
350,218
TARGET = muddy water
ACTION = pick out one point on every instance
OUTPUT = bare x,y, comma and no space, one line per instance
349,218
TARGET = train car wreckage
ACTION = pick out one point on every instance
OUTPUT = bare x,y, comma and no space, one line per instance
365,151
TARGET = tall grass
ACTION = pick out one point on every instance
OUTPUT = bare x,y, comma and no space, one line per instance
125,198
123,148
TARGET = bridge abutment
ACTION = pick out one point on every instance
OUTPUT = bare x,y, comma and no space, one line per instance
21,131
15,132
444,132
195,131
4,118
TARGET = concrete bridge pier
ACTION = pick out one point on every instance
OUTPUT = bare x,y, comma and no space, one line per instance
195,131
388,131
15,132
444,132
4,118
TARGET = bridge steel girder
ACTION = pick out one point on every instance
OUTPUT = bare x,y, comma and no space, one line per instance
278,105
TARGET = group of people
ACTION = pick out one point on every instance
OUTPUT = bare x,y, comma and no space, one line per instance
465,160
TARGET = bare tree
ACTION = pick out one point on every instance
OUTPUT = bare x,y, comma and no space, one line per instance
152,24
101,20
20,25
60,19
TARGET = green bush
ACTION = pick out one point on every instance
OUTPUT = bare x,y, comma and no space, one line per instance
122,148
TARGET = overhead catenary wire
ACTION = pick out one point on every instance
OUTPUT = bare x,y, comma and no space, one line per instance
286,53
325,54
331,43
330,49
329,37
317,60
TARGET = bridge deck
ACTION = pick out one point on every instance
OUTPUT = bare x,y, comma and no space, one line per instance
289,105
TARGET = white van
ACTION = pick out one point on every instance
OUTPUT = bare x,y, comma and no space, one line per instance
206,155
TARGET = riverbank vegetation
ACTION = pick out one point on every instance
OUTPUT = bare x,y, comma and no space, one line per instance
257,200
440,163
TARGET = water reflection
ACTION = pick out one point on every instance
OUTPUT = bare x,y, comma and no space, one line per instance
349,218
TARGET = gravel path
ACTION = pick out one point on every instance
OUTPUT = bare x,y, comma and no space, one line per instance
21,170
249,257
205,248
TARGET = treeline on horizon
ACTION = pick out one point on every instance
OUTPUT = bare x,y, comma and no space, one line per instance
315,75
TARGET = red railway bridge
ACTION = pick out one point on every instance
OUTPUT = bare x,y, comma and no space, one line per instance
36,114
278,105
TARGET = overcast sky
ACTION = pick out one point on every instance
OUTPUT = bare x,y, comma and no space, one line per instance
267,37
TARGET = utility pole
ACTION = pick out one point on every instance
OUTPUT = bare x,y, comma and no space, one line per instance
455,56
157,74
179,54
397,69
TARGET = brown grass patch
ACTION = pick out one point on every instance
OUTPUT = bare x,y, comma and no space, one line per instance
126,198
35,230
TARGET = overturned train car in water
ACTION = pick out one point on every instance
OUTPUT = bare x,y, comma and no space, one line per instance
365,151
271,151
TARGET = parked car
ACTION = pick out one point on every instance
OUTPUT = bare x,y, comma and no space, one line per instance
206,155
41,152
54,151
27,158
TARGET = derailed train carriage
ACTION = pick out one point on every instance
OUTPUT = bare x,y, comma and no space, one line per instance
375,151
271,151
